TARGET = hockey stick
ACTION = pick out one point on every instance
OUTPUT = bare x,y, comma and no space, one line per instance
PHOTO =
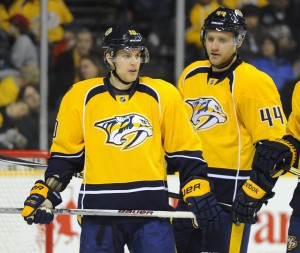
294,171
18,161
104,212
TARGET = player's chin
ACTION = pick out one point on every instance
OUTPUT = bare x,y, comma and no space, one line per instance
214,58
132,76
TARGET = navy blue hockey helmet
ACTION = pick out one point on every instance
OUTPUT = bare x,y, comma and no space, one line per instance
126,38
225,19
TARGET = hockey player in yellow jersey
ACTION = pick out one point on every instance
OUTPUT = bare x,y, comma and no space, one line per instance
293,135
237,112
123,131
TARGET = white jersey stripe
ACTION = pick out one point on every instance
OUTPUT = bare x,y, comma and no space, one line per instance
124,191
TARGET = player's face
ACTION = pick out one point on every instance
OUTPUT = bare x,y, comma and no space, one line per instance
128,64
220,46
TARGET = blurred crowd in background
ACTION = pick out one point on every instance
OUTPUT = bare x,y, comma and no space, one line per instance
75,30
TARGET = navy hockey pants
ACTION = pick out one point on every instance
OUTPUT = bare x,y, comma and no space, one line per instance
229,238
293,242
140,237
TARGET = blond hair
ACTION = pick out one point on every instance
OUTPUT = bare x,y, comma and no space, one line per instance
30,74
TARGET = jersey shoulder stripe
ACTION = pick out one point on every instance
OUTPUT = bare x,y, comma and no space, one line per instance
148,90
95,91
166,92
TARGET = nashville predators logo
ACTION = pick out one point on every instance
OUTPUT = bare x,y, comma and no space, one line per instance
207,112
127,131
292,242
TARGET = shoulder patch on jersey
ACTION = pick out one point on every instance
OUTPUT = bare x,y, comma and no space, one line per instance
207,112
126,131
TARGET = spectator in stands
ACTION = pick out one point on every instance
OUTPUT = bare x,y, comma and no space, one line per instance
250,48
10,137
238,4
10,86
198,13
29,125
294,19
4,49
277,19
67,43
156,17
66,69
270,62
58,15
4,14
90,67
31,96
23,50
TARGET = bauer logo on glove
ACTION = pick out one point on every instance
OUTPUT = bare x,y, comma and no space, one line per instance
194,188
37,207
199,198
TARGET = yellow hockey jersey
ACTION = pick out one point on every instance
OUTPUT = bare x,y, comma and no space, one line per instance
120,143
231,111
293,126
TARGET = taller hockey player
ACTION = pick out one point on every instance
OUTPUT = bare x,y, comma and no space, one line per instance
237,112
121,130
293,135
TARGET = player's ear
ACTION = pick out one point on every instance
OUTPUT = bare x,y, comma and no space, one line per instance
109,60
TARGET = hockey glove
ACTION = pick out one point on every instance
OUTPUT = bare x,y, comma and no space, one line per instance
200,200
37,207
254,193
296,144
274,157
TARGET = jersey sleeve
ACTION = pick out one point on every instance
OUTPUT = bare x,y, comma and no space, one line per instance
293,126
67,150
259,108
182,145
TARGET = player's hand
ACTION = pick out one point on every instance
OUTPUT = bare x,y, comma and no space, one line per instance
200,200
274,157
37,207
254,193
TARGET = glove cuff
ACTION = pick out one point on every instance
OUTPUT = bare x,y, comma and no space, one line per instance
54,197
196,188
296,144
291,147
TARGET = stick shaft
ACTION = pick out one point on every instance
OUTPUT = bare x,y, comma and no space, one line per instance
18,161
295,171
104,212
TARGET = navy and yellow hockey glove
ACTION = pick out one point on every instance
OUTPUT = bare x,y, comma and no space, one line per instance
199,198
37,207
254,193
274,157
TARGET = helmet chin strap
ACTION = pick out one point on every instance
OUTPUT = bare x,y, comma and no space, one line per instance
114,72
